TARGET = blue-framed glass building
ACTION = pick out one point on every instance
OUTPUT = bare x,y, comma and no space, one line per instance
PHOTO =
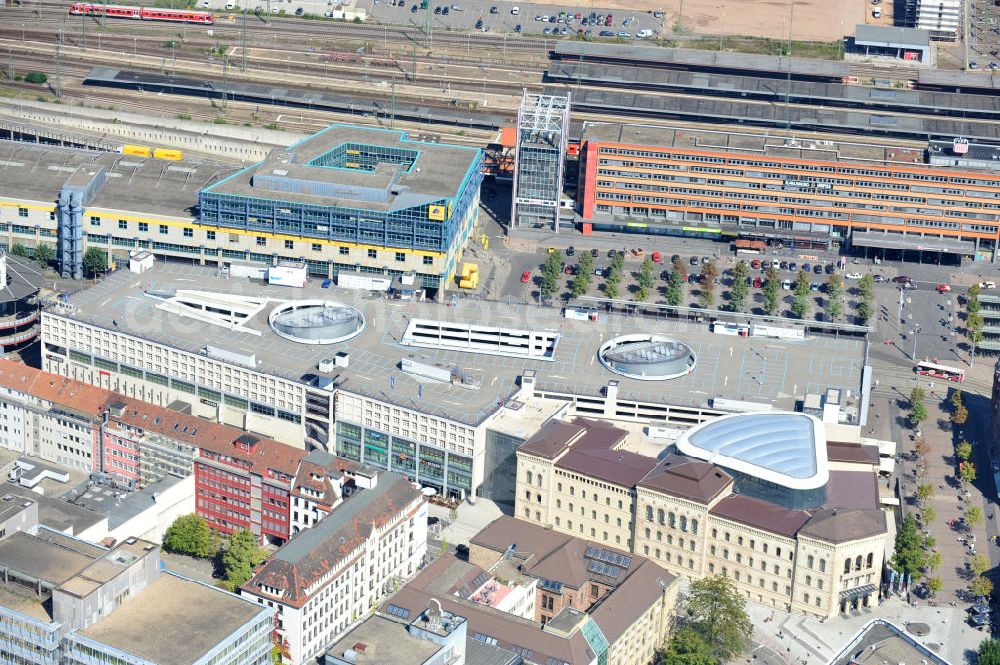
386,203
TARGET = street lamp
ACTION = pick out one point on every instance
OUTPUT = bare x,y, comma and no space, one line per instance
913,333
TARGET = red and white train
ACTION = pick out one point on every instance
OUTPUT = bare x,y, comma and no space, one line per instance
141,13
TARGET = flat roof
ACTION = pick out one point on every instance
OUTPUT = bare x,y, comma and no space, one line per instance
56,514
386,642
880,641
912,242
887,34
788,449
765,144
727,367
174,621
437,172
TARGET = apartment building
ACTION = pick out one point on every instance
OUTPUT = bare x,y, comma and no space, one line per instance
325,579
794,521
241,480
345,199
805,193
64,600
592,604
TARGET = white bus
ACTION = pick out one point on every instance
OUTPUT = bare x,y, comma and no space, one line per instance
940,371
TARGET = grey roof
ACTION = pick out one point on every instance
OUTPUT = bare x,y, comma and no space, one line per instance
785,447
900,241
23,279
375,355
437,172
119,510
337,102
56,514
887,34
174,621
309,554
478,652
879,642
838,526
32,557
386,642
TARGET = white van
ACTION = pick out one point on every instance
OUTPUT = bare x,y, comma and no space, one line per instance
230,5
515,11
644,34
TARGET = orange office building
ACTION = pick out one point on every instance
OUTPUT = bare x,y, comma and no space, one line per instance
874,199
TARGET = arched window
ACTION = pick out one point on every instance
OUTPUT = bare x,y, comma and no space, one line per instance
673,520
694,527
822,565
857,562
661,516
809,561
847,565
538,516
530,477
870,561
809,580
777,552
684,523
649,513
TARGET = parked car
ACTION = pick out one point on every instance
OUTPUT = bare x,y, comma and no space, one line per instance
988,285
853,275
599,271
783,265
693,261
943,288
593,253
525,276
814,286
879,279
757,282
694,278
792,266
657,257
806,267
818,269
830,268
755,264
787,285
571,250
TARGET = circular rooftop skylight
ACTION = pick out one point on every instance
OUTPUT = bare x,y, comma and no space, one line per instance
316,321
647,357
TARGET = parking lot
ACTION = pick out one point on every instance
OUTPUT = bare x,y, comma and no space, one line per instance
525,280
507,17
984,34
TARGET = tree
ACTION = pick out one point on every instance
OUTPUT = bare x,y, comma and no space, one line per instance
864,312
739,289
867,288
687,647
241,555
717,612
678,268
921,449
551,270
17,249
960,415
800,306
772,291
989,652
802,284
190,535
974,292
964,451
36,77
981,586
917,395
973,518
95,261
980,564
646,279
618,262
967,472
675,287
641,293
956,399
611,288
584,274
918,413
929,515
934,560
44,254
934,585
834,296
924,492
911,555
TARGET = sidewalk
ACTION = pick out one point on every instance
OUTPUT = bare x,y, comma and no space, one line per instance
781,638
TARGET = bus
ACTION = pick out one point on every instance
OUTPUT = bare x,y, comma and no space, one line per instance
940,371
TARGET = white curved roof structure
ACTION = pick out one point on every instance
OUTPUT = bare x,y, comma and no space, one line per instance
785,448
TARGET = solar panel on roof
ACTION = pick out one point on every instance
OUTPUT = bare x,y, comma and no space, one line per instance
398,611
602,568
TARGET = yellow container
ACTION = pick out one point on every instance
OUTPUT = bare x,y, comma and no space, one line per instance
167,153
137,150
